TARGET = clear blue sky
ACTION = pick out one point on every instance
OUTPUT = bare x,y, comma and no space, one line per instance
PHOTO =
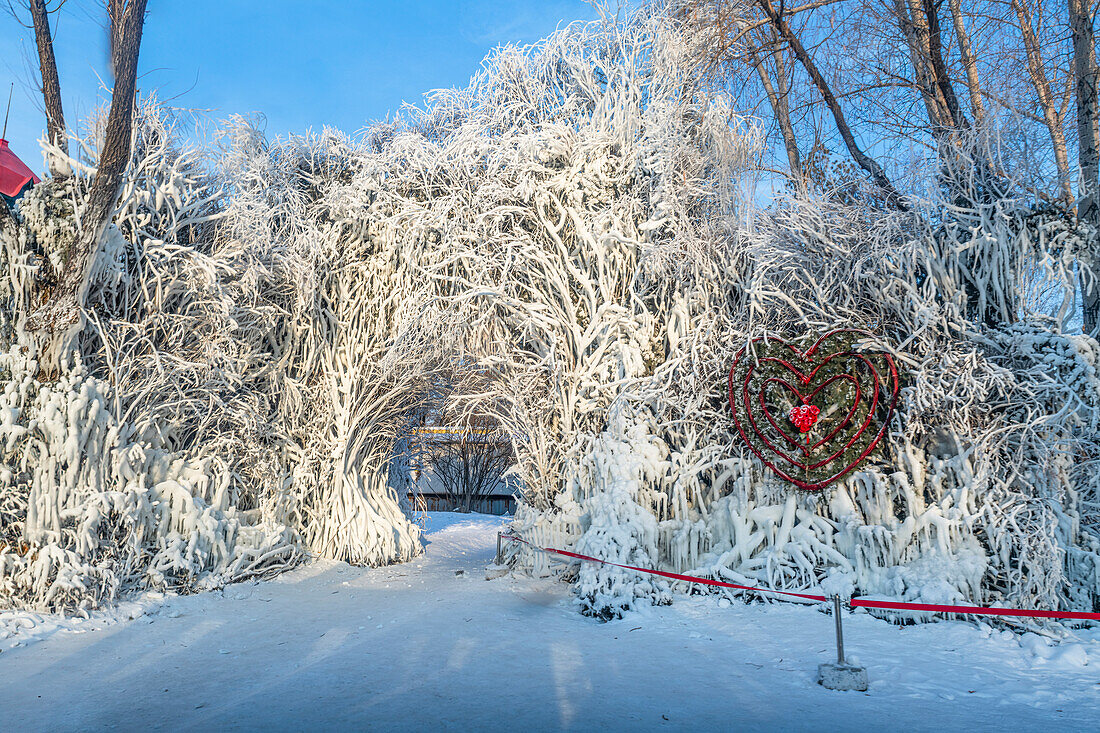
303,64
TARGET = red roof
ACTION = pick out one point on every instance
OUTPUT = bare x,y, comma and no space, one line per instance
14,174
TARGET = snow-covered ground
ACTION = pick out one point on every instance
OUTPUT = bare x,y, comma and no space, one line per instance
418,646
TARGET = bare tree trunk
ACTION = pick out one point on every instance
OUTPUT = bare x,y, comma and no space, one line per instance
913,25
778,98
58,321
970,64
878,175
51,88
1051,115
1088,153
940,74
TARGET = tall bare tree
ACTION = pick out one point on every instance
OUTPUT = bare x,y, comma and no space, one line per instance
866,162
59,319
1052,105
777,87
50,86
969,62
878,79
1088,147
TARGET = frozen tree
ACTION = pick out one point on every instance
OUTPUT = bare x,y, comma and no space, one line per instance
266,319
952,510
59,316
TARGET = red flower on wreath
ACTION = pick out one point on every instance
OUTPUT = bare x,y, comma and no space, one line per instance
804,416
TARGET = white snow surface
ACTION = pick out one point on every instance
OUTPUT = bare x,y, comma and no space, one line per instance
415,646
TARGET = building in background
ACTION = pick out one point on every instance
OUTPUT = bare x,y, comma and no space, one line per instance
461,468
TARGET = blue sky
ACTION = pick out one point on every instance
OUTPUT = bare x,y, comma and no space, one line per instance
302,64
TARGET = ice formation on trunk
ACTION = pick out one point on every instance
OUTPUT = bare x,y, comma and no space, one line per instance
576,225
89,510
237,391
612,473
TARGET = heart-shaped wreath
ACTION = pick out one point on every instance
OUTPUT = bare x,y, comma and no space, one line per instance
812,416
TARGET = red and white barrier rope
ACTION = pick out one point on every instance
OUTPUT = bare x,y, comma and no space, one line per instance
853,603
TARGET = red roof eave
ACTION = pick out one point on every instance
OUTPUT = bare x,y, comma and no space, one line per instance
14,173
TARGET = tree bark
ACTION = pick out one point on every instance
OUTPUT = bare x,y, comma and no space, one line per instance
871,166
1088,154
777,97
1052,117
914,26
940,74
783,93
970,63
51,88
58,321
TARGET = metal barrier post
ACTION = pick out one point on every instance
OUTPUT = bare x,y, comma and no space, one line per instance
498,560
839,630
841,676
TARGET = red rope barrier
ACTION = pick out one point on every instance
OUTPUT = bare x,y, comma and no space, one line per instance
977,610
854,603
662,573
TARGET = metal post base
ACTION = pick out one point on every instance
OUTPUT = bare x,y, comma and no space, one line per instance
498,569
842,677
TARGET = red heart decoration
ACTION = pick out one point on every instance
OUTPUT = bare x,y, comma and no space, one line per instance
835,417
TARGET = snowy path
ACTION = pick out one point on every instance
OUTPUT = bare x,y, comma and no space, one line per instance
415,646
